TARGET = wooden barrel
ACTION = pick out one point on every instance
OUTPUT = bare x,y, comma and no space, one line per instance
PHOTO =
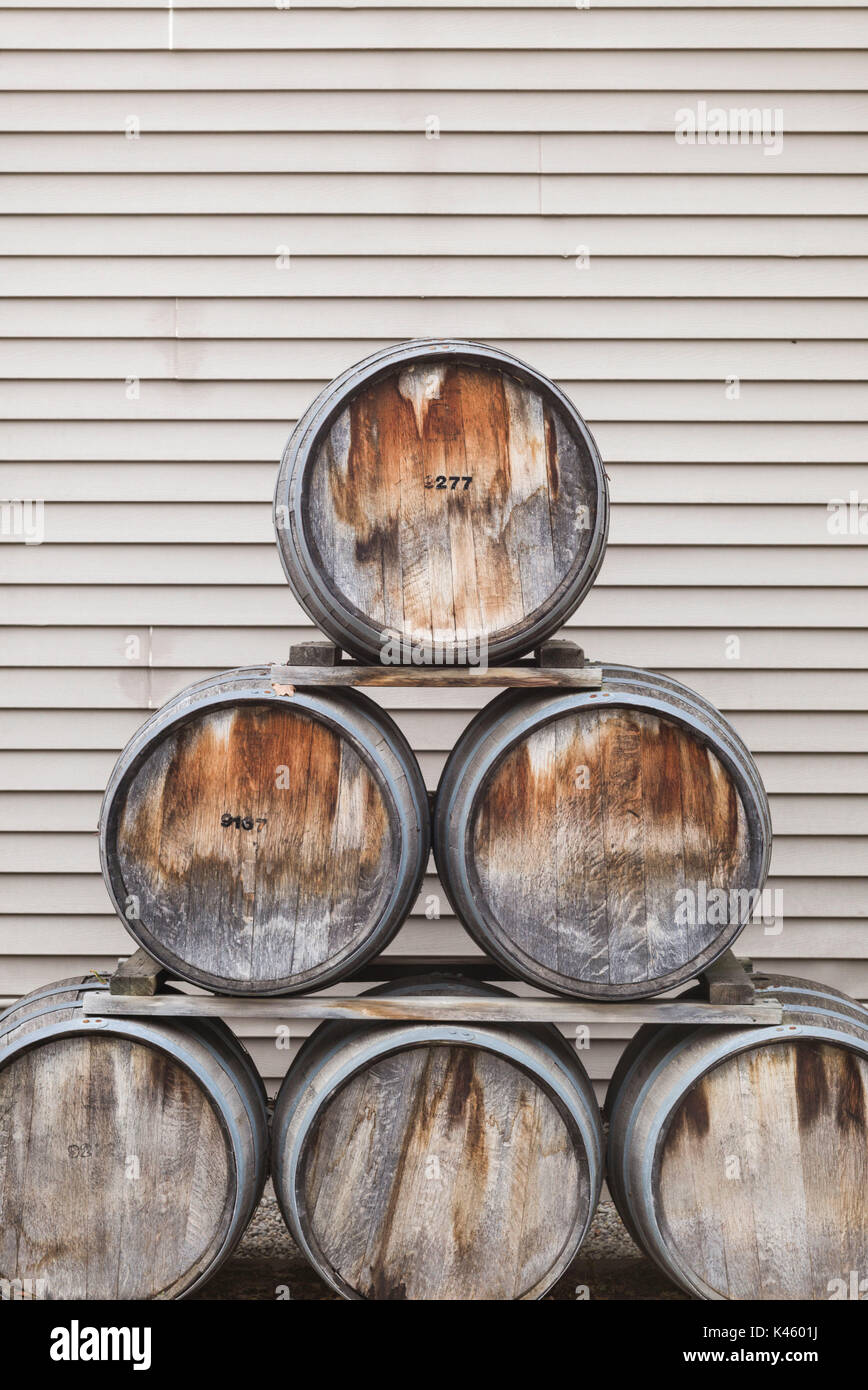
602,843
432,1161
263,843
132,1151
441,493
738,1157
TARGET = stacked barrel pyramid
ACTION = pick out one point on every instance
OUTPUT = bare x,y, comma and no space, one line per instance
440,503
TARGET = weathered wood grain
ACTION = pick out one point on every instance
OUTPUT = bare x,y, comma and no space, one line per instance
789,1123
118,1176
281,897
560,653
442,563
286,679
446,494
436,1007
442,1173
602,844
138,974
258,843
728,980
416,1161
314,654
741,1162
587,830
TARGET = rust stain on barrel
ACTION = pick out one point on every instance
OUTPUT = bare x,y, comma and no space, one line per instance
71,1109
480,550
812,1086
440,1172
310,872
850,1109
692,1116
595,838
761,1194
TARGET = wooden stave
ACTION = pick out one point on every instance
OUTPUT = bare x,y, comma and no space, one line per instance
499,725
635,1100
351,633
205,1048
316,1075
355,716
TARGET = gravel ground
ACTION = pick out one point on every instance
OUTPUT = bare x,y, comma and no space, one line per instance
267,1263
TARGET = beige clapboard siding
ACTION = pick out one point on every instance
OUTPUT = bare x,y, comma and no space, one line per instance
488,319
435,5
373,234
698,70
480,194
410,152
443,29
154,259
363,111
162,5
312,276
154,359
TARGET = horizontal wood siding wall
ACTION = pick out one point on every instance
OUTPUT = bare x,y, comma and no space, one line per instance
154,162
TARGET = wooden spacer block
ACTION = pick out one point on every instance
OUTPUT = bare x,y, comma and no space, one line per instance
559,654
728,981
139,975
314,654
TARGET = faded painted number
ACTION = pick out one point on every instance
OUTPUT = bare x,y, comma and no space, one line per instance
441,482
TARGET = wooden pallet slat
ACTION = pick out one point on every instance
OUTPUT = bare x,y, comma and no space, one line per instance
440,1008
138,975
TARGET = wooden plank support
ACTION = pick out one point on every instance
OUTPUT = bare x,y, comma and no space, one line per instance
728,980
448,1008
285,679
138,976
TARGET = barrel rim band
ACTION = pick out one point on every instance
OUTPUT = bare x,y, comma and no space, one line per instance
74,987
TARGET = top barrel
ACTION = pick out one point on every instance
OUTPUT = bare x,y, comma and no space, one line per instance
441,495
